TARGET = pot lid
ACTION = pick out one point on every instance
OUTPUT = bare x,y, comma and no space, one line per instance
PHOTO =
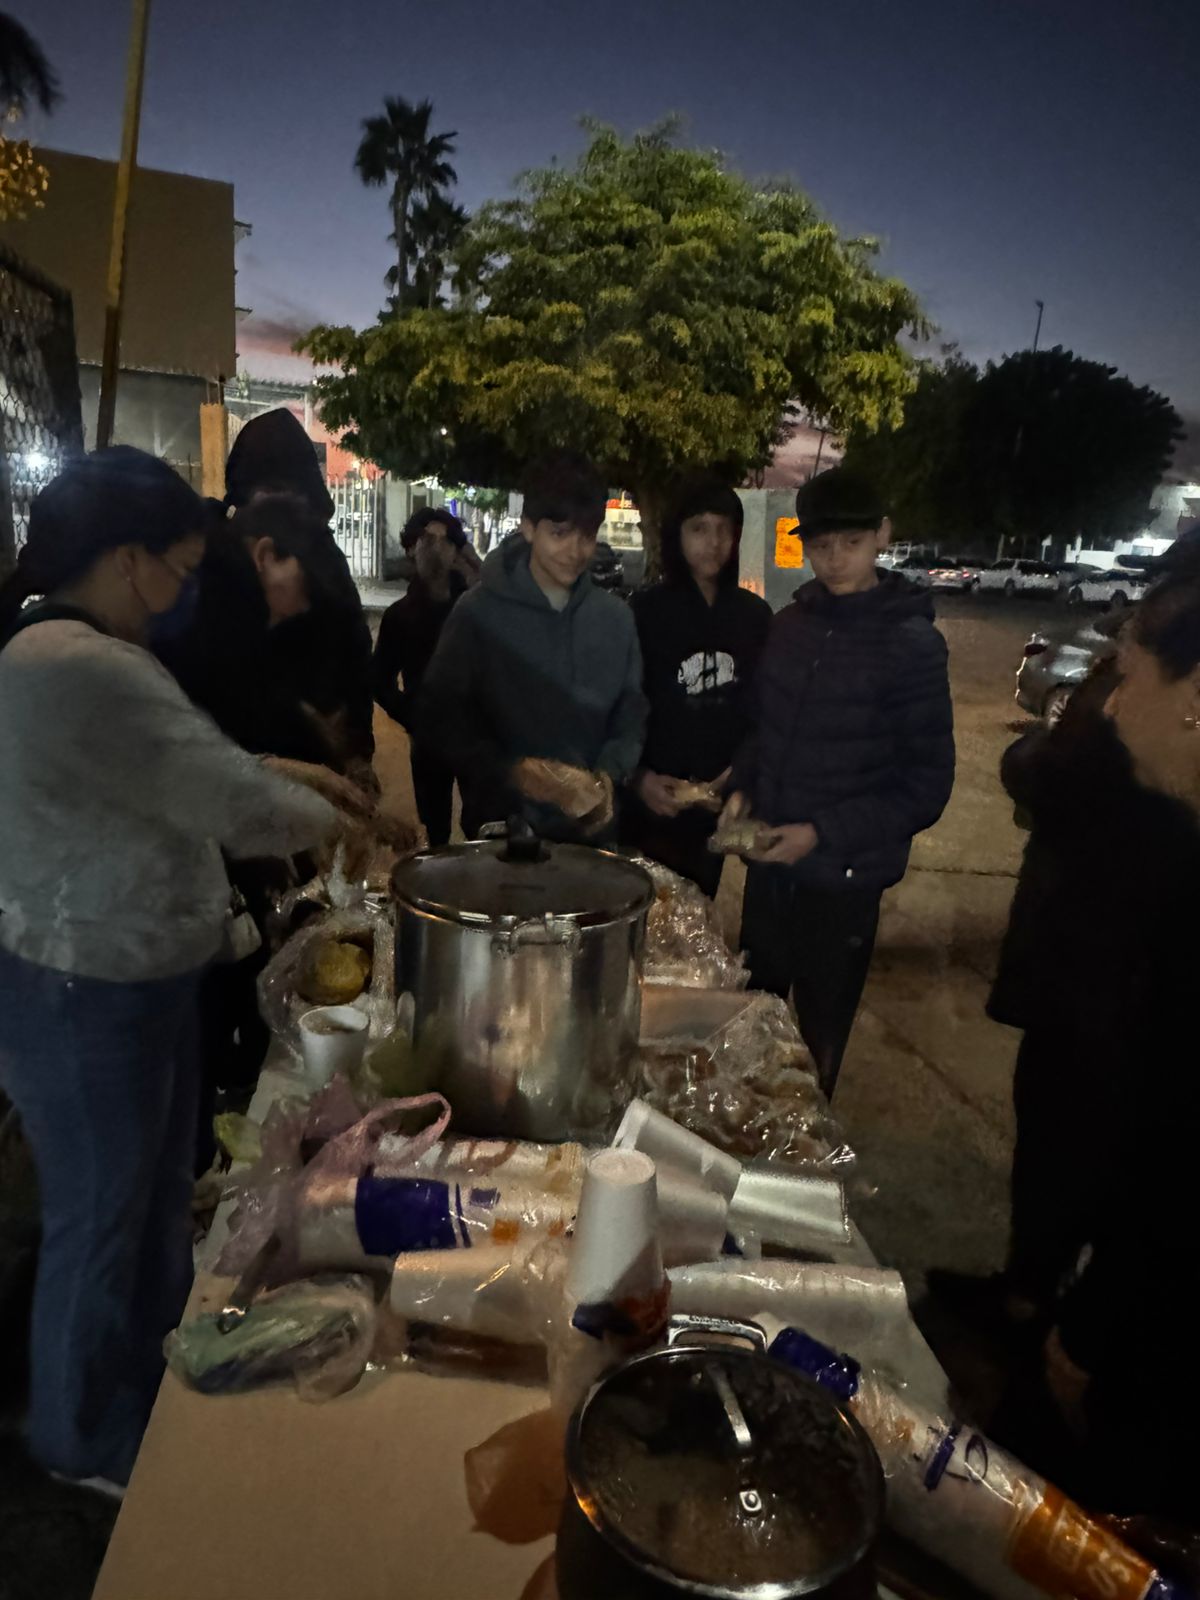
726,1473
482,882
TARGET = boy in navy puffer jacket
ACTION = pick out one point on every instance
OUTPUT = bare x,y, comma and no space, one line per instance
853,754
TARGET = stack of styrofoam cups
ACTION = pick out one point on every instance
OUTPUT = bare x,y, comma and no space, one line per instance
643,1128
783,1208
615,1290
481,1291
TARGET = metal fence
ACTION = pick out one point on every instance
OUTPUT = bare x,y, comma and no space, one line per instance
40,420
357,523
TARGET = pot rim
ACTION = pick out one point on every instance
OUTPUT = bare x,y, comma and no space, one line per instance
589,1506
441,911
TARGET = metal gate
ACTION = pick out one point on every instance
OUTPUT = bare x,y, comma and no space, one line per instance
357,524
40,420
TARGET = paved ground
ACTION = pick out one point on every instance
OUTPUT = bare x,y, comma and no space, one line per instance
924,1093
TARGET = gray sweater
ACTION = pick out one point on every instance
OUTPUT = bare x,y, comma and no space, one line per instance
117,797
512,677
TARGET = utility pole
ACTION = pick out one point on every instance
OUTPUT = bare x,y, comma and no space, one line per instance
1037,332
114,294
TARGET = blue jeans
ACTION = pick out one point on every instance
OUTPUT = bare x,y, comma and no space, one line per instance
104,1077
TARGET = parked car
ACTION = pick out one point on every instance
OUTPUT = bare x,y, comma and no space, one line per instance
608,570
1117,588
915,569
1052,669
1016,577
953,572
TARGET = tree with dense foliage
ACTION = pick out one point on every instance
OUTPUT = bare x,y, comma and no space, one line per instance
1040,446
397,148
646,306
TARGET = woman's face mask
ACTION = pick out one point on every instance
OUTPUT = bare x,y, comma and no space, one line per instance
167,586
166,626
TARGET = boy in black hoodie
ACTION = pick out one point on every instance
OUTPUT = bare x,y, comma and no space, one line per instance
701,636
853,754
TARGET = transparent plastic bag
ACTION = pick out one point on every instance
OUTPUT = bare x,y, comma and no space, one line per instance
749,1089
279,987
317,1333
271,1194
684,944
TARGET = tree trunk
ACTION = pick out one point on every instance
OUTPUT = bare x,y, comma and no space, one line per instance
400,218
651,503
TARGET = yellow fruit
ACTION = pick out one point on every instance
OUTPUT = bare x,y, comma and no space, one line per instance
335,974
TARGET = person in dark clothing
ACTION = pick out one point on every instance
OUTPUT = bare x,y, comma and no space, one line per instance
701,637
408,636
261,570
1140,1427
1067,980
537,668
326,652
852,754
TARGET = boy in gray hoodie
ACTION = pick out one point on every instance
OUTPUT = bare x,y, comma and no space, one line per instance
537,664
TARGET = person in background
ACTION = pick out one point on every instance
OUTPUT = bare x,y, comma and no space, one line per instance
445,566
852,754
117,798
326,651
262,569
537,665
1139,1426
701,637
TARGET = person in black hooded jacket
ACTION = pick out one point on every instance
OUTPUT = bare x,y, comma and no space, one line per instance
701,637
852,754
444,567
326,653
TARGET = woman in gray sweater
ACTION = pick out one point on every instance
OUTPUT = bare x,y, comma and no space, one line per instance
117,798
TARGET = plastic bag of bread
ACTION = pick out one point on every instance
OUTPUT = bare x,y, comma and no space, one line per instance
576,792
749,1088
684,944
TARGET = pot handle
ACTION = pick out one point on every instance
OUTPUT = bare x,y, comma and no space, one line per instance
537,930
684,1324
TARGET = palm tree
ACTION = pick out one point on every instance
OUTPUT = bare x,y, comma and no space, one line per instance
398,147
437,225
25,74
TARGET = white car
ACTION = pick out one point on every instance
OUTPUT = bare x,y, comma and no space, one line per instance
951,572
1115,588
1013,577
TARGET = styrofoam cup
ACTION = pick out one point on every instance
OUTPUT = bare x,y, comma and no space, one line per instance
328,1053
615,1252
643,1128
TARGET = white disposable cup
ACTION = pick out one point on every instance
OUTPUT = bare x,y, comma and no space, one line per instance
328,1053
643,1128
615,1253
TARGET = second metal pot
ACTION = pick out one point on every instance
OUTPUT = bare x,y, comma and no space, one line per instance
707,1470
523,960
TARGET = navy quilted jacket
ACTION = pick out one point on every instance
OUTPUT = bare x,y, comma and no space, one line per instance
855,732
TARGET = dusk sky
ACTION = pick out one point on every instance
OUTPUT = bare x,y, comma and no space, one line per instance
1004,151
